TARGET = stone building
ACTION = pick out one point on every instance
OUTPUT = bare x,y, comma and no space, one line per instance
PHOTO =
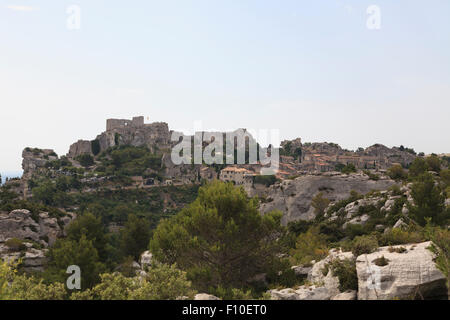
240,176
136,122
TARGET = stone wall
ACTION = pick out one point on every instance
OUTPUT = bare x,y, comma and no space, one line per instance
136,122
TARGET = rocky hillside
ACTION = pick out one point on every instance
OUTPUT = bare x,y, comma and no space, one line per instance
395,272
25,235
293,197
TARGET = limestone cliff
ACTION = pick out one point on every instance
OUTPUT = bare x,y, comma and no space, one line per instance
293,197
26,236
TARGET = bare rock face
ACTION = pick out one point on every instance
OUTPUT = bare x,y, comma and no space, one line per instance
80,147
347,295
34,159
293,197
33,259
324,284
146,259
302,293
18,224
328,279
301,270
402,274
26,236
205,296
21,224
124,132
283,294
185,173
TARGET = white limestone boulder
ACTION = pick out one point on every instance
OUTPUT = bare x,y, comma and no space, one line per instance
408,274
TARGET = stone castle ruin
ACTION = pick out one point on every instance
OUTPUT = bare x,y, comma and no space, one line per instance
297,157
132,132
136,122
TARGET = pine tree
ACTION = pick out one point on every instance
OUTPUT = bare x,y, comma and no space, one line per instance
221,239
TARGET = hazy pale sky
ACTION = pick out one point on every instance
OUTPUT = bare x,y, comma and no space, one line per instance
312,69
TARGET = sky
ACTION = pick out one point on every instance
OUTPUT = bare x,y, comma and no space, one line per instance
310,69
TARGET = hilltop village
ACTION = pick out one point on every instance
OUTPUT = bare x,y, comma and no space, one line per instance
295,158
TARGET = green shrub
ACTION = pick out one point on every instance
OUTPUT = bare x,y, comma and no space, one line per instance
129,161
440,246
231,293
349,168
319,203
395,190
445,176
381,261
15,244
85,159
311,245
354,230
429,201
397,172
95,147
162,282
398,236
342,203
345,270
299,226
418,167
433,163
364,244
371,175
286,278
29,288
266,180
397,250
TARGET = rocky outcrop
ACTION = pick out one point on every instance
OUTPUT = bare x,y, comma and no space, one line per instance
205,296
156,136
26,236
301,270
33,159
146,259
400,274
80,147
323,284
293,197
32,259
322,274
389,155
24,225
347,295
302,293
389,203
185,173
397,272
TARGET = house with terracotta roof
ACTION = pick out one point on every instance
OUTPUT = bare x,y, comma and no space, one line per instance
238,176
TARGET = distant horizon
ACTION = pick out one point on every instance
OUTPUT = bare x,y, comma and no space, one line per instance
19,171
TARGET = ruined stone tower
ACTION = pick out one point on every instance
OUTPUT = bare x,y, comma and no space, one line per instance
132,132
